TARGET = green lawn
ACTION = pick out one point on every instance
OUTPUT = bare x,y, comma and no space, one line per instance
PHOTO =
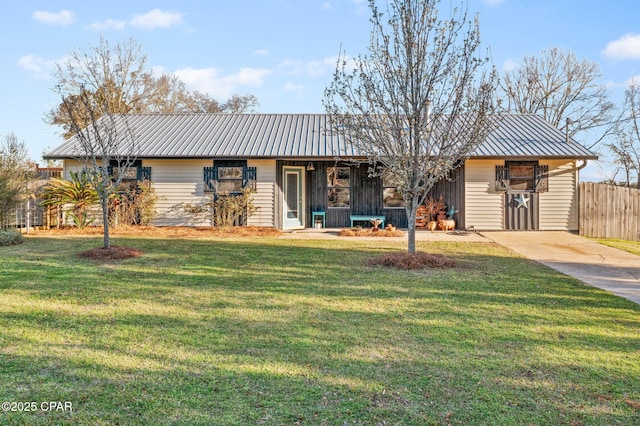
630,246
282,332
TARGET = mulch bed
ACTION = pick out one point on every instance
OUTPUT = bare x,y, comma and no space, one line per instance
167,231
112,253
413,261
369,232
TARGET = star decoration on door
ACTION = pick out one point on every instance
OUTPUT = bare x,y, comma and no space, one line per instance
522,200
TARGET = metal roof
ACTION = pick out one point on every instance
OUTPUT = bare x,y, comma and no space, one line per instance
304,136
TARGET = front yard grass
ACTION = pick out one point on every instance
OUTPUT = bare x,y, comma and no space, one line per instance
629,246
281,332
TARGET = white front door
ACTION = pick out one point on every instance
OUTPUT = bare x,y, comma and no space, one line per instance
293,179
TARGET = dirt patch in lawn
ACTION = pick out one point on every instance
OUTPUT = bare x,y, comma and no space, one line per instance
166,231
413,261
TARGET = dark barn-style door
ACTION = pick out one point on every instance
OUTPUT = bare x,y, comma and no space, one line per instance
521,211
522,181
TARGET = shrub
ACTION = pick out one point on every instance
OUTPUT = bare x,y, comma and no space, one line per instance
10,238
225,209
135,206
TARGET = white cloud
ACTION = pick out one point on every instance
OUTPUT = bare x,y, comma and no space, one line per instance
210,80
156,19
261,52
510,65
626,47
108,24
62,18
312,68
39,67
327,6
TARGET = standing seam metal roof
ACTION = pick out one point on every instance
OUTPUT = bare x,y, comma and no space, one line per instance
308,135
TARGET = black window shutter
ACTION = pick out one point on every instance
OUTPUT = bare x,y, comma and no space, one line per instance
542,178
143,173
249,177
210,178
502,178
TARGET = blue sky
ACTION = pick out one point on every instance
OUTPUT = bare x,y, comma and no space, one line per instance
282,51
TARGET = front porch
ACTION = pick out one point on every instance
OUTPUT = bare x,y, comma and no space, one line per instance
302,187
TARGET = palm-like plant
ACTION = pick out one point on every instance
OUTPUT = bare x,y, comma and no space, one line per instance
77,192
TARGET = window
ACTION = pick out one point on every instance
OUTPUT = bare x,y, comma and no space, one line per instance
338,187
522,176
391,196
130,175
230,179
229,176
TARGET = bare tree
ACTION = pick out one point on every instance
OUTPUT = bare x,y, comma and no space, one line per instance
626,147
168,94
117,78
564,91
98,80
414,105
98,87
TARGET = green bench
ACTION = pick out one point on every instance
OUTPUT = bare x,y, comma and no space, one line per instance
367,218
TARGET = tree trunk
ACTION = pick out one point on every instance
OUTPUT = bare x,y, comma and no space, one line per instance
411,225
105,221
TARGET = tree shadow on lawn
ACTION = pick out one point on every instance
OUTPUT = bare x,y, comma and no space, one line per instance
292,268
162,370
242,332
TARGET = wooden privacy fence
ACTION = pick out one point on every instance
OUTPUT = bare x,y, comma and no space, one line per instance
609,211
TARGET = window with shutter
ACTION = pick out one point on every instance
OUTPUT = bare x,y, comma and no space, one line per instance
542,178
231,177
210,178
129,173
522,176
502,178
249,178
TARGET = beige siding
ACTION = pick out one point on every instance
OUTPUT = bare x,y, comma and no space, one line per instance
484,207
264,197
559,206
178,183
71,166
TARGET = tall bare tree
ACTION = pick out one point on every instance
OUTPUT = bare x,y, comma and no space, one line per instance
418,103
168,94
98,86
564,90
117,78
626,147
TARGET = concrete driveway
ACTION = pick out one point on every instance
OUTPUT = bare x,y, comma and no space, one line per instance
595,264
